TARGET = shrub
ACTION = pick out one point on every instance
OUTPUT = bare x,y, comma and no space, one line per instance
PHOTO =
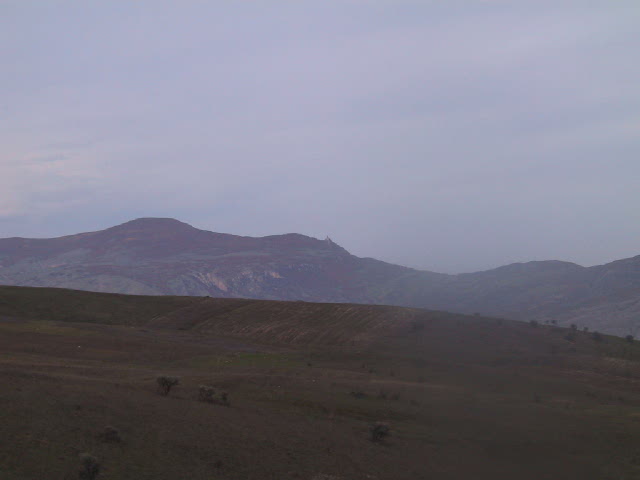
205,393
379,431
629,338
597,336
111,435
533,323
208,394
358,394
165,384
574,326
90,467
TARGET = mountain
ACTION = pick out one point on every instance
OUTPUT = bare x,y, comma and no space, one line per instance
158,256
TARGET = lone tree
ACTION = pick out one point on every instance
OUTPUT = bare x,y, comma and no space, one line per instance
90,467
165,384
379,431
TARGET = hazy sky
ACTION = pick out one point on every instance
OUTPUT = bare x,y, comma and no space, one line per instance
446,135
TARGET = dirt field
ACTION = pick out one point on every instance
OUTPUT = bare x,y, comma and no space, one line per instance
465,397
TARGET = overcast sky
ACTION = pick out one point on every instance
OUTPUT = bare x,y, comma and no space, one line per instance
446,135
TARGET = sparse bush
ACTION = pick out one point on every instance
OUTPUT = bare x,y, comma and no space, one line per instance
208,394
379,431
597,337
629,338
90,467
570,337
533,323
111,435
165,384
358,394
574,326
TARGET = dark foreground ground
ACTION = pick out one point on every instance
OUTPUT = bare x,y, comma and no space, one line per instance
465,397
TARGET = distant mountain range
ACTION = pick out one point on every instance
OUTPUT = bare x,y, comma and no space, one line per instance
157,256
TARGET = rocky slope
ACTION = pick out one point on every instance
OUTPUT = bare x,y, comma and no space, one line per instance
164,256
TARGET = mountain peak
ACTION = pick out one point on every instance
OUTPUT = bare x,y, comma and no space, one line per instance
154,222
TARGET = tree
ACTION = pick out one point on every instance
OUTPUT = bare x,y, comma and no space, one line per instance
165,384
90,467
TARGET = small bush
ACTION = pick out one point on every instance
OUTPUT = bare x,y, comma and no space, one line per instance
90,467
533,323
358,394
629,338
574,326
379,431
165,384
208,394
205,393
597,337
111,435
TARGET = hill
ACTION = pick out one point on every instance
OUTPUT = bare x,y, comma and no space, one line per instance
465,397
155,256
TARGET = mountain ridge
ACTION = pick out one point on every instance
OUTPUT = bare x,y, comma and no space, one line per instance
164,256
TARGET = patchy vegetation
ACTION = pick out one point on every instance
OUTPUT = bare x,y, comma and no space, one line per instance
460,397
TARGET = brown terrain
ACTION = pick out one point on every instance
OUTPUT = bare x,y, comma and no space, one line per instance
464,397
154,256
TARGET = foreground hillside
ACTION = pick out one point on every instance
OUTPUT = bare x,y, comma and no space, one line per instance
464,397
155,256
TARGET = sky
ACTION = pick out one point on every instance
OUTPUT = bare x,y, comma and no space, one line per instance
452,136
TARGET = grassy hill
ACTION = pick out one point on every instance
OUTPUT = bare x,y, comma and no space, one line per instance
465,397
